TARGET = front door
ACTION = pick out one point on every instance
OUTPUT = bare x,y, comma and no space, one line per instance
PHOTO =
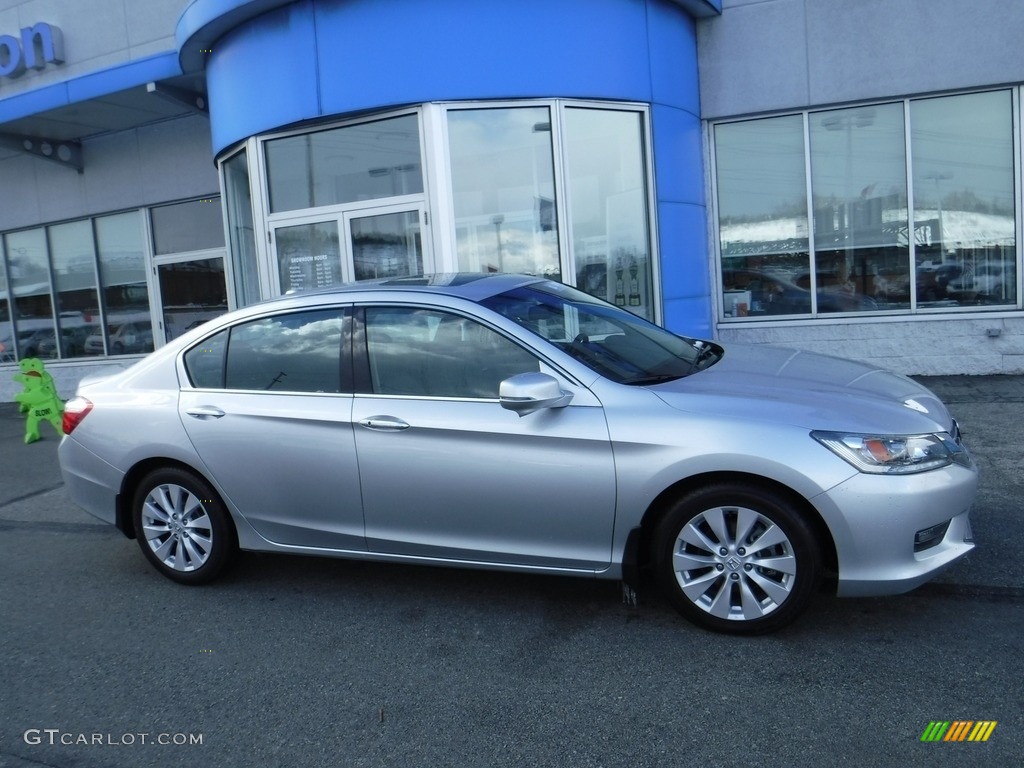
447,473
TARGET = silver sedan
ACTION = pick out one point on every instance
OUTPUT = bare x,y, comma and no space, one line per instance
509,422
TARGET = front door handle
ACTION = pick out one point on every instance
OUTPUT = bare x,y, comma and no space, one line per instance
384,423
205,412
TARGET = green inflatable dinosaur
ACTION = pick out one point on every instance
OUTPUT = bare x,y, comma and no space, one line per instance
39,399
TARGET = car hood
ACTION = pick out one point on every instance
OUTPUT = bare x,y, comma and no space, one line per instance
809,390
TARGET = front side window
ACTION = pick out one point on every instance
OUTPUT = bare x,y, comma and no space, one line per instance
430,353
610,341
295,352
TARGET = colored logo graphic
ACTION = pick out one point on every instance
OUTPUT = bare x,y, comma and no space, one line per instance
958,730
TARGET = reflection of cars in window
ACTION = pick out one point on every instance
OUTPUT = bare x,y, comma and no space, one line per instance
514,423
33,342
72,339
772,294
994,282
125,339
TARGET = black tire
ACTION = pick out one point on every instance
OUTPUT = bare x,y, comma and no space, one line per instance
182,526
710,570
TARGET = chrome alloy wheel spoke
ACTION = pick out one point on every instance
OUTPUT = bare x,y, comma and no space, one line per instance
177,527
734,563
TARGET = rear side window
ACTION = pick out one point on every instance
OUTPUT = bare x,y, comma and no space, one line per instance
296,352
205,363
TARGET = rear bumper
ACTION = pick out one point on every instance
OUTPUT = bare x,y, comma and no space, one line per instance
91,483
874,519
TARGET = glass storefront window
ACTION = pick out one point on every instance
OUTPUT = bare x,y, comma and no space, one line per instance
503,190
241,230
351,202
192,292
859,186
608,193
122,266
953,247
74,275
195,225
762,217
367,161
30,285
962,151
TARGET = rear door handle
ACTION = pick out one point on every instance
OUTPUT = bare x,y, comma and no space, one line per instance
205,412
384,423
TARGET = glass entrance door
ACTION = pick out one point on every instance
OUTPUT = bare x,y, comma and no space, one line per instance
359,244
308,256
385,243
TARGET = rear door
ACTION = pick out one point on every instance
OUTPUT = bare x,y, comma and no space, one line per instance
269,413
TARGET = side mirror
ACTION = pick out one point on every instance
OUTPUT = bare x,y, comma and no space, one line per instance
528,392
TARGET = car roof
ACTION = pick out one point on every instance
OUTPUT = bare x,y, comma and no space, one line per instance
474,286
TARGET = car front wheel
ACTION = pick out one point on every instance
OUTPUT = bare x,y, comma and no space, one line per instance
736,559
182,526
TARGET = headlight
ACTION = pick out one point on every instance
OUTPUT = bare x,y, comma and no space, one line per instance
894,454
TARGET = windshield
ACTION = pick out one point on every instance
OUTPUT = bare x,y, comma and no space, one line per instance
614,343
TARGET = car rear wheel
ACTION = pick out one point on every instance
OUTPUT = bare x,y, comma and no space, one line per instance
182,526
736,559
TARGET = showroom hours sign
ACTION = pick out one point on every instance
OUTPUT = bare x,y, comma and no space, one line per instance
304,272
34,48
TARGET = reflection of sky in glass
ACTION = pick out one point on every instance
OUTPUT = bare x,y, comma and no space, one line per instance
760,169
502,177
285,339
120,244
963,152
354,162
72,256
604,150
26,260
858,153
192,226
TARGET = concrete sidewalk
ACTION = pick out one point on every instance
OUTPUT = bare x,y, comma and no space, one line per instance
989,409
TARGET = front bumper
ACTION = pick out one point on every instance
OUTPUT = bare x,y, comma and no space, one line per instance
874,518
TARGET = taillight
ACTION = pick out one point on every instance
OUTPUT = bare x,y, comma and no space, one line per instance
75,410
